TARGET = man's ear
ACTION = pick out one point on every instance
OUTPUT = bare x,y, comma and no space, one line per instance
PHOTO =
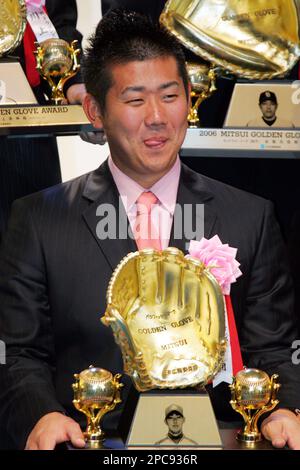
92,111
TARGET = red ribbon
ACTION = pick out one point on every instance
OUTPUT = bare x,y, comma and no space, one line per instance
237,361
30,61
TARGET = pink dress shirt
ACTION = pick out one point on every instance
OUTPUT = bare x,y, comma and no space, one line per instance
164,189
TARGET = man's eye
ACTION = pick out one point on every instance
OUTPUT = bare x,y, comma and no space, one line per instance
170,97
135,101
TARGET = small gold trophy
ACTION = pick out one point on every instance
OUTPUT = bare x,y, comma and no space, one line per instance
203,82
253,393
96,392
57,62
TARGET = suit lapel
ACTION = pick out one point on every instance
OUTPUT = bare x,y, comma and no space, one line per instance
106,207
192,190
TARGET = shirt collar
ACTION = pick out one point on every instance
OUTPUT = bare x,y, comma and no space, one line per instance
165,189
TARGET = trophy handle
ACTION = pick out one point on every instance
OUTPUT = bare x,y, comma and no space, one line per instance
234,403
240,410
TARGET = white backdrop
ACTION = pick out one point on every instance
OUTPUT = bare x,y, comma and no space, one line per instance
78,157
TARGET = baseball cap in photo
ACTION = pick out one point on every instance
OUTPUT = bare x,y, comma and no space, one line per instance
267,96
174,409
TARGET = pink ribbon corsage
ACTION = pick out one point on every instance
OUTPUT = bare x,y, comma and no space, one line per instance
219,258
35,4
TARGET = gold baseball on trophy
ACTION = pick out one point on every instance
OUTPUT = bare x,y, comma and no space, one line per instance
203,81
253,393
96,392
57,62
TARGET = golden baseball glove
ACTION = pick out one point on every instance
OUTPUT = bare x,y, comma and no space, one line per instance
168,316
255,39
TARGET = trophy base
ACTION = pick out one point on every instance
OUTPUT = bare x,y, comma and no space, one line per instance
249,438
147,428
94,444
193,120
105,444
194,125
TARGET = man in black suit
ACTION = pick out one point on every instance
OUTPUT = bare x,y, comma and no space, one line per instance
249,174
55,266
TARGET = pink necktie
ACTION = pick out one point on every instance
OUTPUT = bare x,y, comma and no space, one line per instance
145,233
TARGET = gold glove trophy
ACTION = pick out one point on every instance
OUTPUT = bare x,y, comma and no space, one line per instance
247,38
167,315
96,392
57,62
253,393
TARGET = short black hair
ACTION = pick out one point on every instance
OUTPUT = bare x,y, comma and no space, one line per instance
121,37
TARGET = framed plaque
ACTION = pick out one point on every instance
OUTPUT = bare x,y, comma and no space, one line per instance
174,421
266,104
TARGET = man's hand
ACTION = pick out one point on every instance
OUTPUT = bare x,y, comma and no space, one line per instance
76,93
98,137
52,429
282,428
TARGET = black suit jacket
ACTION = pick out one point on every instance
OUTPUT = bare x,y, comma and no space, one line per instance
54,273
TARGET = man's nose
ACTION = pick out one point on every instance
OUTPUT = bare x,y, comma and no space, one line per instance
155,113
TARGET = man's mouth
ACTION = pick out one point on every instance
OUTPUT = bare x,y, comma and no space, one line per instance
155,142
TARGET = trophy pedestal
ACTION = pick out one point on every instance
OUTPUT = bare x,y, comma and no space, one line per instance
36,119
107,444
147,421
20,113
